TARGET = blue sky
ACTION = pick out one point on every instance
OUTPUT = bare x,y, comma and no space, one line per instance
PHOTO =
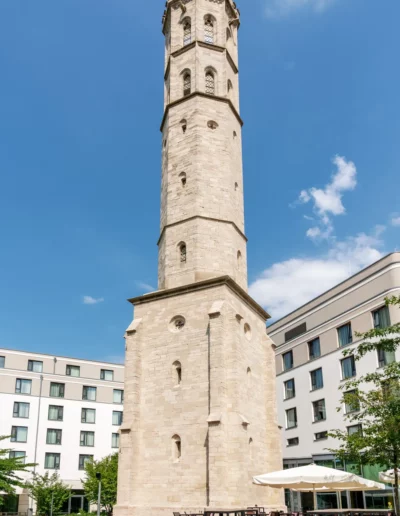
80,107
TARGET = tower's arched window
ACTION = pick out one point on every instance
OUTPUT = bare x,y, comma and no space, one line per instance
228,34
182,253
177,372
239,255
182,177
176,448
187,32
187,84
230,85
183,125
210,82
209,30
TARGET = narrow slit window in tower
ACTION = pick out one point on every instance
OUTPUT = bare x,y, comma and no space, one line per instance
187,84
187,32
177,372
209,30
228,34
230,86
183,253
176,448
184,126
182,177
210,83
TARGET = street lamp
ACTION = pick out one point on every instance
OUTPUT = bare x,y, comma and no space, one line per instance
98,476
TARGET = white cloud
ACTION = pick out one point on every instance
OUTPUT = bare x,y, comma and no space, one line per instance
286,285
328,201
282,8
395,221
145,286
115,359
89,300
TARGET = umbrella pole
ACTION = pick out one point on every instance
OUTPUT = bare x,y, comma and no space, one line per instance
315,498
339,495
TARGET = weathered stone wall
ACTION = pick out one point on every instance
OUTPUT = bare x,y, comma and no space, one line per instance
223,409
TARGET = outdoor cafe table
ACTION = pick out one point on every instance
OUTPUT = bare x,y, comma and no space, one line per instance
228,512
351,512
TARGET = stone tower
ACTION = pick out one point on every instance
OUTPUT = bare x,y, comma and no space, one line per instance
200,409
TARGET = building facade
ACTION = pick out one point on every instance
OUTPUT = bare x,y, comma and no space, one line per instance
59,412
311,368
200,407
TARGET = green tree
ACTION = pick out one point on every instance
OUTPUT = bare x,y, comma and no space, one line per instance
108,468
48,491
10,468
373,403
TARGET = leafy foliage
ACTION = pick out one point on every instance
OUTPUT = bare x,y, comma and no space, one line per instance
48,491
9,470
108,468
373,401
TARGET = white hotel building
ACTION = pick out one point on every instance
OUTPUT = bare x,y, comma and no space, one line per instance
311,368
59,413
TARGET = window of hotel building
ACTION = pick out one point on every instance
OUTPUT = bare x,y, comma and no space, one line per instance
19,434
88,415
287,360
21,409
345,335
87,438
291,418
348,367
35,365
385,357
117,417
89,393
294,441
57,390
381,318
2,362
115,441
295,332
118,396
319,410
290,390
21,455
314,349
54,436
56,413
73,370
354,429
83,460
107,374
23,386
351,404
52,461
317,380
319,436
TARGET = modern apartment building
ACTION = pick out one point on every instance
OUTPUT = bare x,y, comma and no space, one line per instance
311,368
59,412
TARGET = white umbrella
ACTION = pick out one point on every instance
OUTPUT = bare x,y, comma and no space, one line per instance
388,476
316,478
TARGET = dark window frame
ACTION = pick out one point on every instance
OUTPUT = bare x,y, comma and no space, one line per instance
62,390
16,412
312,356
32,362
57,460
58,411
58,436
